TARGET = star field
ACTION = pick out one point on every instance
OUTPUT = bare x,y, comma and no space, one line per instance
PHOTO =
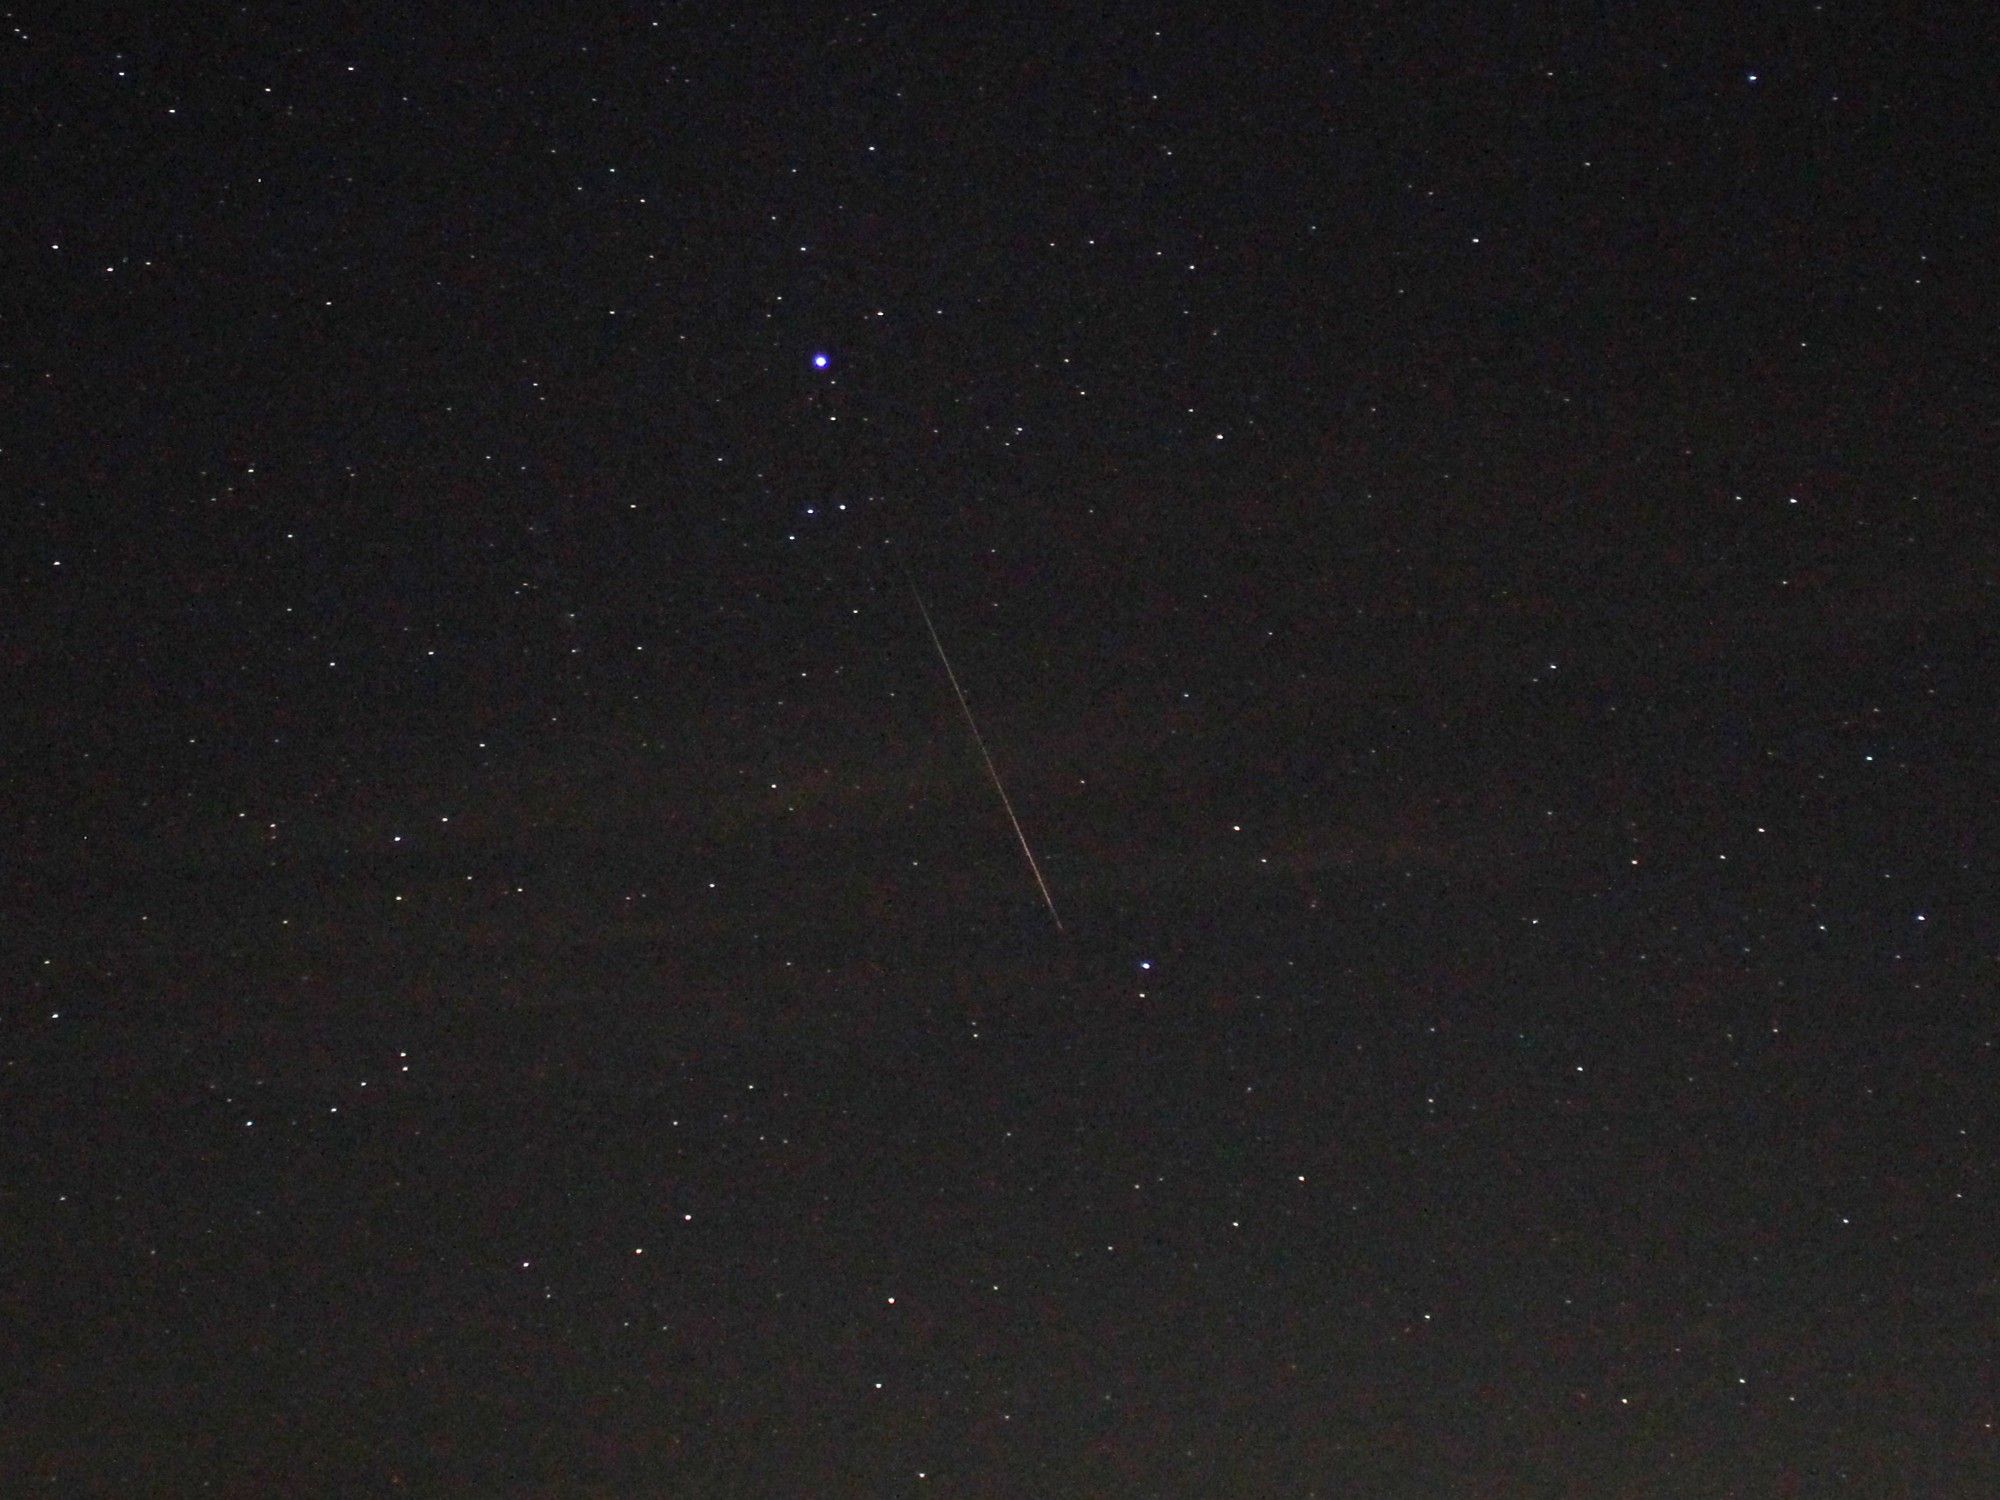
1467,541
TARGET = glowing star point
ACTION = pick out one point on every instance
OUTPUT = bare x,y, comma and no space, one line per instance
819,361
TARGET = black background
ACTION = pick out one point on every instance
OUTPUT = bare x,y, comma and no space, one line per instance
1469,536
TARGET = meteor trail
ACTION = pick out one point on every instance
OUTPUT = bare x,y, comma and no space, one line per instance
980,740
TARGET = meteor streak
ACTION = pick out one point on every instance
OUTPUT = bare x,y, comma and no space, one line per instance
980,740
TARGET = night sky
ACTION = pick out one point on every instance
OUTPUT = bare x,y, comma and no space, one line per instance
1468,534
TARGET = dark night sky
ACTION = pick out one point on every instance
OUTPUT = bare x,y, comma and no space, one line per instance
1470,539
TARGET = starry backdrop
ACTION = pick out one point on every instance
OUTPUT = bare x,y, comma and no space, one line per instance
1470,538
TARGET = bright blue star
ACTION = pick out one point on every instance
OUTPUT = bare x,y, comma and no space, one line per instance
819,361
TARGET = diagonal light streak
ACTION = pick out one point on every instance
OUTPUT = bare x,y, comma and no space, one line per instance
980,740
